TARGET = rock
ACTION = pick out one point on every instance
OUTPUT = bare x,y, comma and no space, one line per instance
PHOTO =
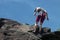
57,33
50,36
13,30
17,35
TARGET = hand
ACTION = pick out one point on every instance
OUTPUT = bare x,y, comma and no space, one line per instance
34,14
48,19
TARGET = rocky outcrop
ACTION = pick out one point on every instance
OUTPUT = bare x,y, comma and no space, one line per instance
16,35
13,30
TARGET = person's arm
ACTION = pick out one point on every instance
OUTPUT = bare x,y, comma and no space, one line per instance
47,16
34,12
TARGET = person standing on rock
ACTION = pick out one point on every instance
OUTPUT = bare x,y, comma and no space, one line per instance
40,17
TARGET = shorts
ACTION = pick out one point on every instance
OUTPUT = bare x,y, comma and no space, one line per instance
40,18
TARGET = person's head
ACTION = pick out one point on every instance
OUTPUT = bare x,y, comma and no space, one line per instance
38,9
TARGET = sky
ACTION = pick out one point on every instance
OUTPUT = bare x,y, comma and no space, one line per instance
22,11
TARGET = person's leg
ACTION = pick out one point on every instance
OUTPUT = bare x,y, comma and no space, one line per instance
40,26
36,23
41,22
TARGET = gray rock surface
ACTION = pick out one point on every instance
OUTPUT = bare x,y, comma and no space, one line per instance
13,30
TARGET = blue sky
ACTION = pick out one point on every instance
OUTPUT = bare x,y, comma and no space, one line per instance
22,11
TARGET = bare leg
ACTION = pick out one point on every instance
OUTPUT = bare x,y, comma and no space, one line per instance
40,27
36,25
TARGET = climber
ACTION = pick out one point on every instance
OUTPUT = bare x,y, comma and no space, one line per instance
41,15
